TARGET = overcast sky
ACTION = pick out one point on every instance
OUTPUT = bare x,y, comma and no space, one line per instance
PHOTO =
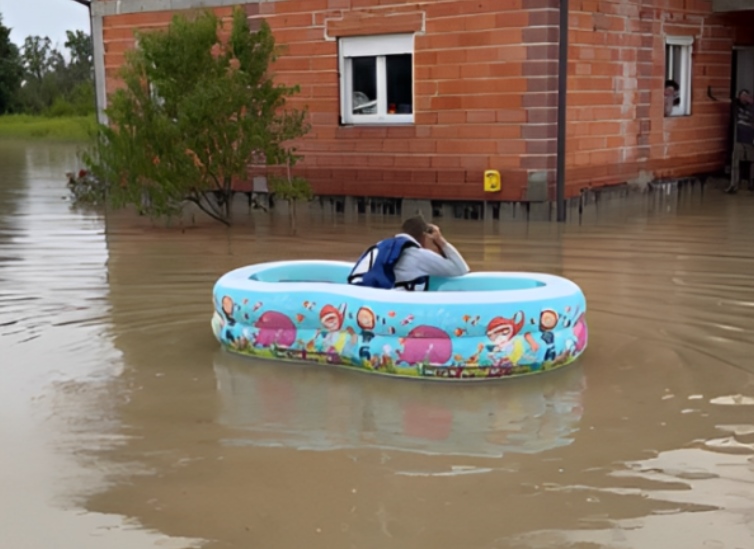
44,18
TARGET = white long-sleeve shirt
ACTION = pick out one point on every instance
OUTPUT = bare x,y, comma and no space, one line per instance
418,262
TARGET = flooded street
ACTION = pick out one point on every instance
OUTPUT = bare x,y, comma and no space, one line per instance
122,424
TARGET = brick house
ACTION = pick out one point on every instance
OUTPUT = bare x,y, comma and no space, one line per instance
418,99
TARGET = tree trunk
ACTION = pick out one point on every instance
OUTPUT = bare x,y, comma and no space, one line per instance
228,195
292,201
207,208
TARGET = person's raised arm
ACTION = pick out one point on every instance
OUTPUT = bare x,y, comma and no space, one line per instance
434,264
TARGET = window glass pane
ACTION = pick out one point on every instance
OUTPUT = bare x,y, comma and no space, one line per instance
677,62
673,79
399,83
364,85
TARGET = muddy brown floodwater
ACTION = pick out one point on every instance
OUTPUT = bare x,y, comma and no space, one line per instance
122,425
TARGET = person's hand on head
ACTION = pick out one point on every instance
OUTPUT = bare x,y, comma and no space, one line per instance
435,240
434,232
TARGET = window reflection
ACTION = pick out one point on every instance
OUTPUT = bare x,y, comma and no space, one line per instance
364,70
399,84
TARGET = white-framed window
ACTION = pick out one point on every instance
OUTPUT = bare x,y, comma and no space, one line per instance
377,79
678,51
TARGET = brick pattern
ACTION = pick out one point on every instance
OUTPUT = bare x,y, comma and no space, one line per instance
617,128
541,38
469,96
363,22
486,91
470,90
118,36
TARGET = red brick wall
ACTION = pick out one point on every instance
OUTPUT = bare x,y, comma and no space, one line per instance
486,91
470,96
470,93
118,36
617,128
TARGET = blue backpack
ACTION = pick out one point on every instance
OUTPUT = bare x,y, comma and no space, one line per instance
376,266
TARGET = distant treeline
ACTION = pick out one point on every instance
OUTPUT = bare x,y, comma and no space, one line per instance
36,78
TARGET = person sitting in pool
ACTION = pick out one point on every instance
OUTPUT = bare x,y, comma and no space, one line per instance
407,260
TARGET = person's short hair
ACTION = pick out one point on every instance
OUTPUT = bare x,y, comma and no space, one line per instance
415,226
672,84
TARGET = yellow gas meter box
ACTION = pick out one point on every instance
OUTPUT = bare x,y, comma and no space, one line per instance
492,181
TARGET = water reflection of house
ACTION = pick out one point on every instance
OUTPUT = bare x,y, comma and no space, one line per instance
304,407
415,99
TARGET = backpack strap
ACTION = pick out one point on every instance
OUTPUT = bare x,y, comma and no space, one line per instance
375,267
369,255
410,286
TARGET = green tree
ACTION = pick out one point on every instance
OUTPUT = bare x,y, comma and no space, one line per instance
39,57
11,70
191,116
75,79
81,66
41,64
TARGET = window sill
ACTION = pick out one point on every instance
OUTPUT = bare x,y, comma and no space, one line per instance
380,120
376,124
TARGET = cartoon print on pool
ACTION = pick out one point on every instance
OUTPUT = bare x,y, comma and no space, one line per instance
425,344
363,338
274,329
366,320
330,319
217,325
384,361
336,341
548,321
507,348
228,309
501,331
581,333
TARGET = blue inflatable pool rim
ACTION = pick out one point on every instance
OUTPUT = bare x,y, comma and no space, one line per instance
481,325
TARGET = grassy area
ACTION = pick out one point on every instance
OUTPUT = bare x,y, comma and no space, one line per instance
64,128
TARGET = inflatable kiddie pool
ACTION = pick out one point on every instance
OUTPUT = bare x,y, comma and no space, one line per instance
480,325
